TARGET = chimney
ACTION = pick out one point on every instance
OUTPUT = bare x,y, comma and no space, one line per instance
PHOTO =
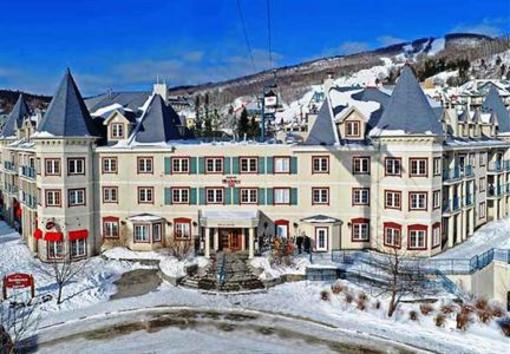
161,89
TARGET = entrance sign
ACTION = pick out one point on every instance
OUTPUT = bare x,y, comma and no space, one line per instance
18,281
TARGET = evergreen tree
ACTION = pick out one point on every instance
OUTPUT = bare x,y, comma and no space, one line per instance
243,127
207,127
254,128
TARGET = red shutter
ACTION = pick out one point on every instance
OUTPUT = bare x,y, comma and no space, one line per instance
78,234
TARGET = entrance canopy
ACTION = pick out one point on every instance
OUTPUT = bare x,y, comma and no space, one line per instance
321,219
145,218
229,218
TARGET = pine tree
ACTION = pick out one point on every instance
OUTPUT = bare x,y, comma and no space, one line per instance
243,127
254,128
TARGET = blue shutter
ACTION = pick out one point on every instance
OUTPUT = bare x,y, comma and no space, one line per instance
235,165
168,196
262,165
168,166
226,165
262,196
201,165
293,165
201,196
193,196
236,196
269,165
293,196
193,165
269,196
228,196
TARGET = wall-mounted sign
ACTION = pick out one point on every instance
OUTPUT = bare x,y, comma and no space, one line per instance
50,225
231,181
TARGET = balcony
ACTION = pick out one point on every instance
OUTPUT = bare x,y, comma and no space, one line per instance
451,206
450,175
11,189
468,171
469,200
28,172
495,191
496,166
507,165
9,166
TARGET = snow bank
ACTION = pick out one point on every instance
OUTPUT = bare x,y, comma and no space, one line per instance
174,268
272,272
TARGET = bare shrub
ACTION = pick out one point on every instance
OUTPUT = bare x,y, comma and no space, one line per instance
447,309
325,295
361,304
413,315
426,309
497,311
504,325
180,249
337,288
467,309
484,315
481,303
463,320
440,320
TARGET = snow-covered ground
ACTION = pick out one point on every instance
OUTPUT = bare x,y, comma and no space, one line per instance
495,234
89,298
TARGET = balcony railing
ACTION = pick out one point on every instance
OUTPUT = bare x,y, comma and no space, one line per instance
495,191
496,166
27,171
451,205
507,165
451,174
11,188
468,171
10,166
469,200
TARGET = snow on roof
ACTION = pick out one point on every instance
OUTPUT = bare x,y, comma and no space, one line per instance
105,111
344,99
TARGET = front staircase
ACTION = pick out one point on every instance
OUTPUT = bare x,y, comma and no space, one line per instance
227,272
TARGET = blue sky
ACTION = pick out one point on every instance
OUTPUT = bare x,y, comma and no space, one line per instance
125,44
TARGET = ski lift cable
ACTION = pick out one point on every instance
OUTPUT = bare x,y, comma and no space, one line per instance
245,34
269,33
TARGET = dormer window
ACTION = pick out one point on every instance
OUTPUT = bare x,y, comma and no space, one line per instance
352,129
118,131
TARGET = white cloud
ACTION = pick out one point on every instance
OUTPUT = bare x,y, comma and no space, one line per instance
489,26
388,40
353,47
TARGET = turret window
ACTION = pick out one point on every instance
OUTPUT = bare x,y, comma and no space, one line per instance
418,167
393,166
52,167
418,201
361,165
75,166
53,198
76,197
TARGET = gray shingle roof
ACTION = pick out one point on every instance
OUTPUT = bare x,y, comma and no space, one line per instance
322,132
131,100
493,103
159,123
67,114
408,109
15,119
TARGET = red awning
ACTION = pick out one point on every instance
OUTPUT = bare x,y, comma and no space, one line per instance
18,213
78,234
38,234
54,236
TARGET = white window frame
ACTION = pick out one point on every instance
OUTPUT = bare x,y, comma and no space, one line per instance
248,196
393,166
78,248
215,195
320,195
360,231
145,165
361,196
321,245
52,167
281,165
180,164
141,237
145,195
117,130
394,235
76,197
109,193
350,131
180,195
436,199
182,230
417,239
281,195
52,196
76,166
157,232
417,200
436,236
361,165
56,249
418,167
109,227
437,166
248,164
110,165
391,198
320,164
214,165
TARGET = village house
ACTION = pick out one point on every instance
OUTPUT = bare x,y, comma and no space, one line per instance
373,171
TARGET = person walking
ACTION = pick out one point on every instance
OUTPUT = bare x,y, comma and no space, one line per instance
299,243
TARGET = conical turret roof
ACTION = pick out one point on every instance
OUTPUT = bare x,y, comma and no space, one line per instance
67,115
494,104
15,119
408,110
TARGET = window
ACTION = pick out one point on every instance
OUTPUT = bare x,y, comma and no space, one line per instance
52,167
281,165
360,230
472,159
481,210
145,195
436,234
180,195
483,159
249,195
392,199
180,165
214,195
110,195
361,196
361,165
141,233
76,166
282,228
214,165
437,166
352,129
144,164
418,167
156,232
392,234
281,195
320,196
56,249
417,200
321,238
76,197
110,227
53,198
109,164
417,237
78,248
436,199
393,166
182,229
248,164
320,164
117,131
481,184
